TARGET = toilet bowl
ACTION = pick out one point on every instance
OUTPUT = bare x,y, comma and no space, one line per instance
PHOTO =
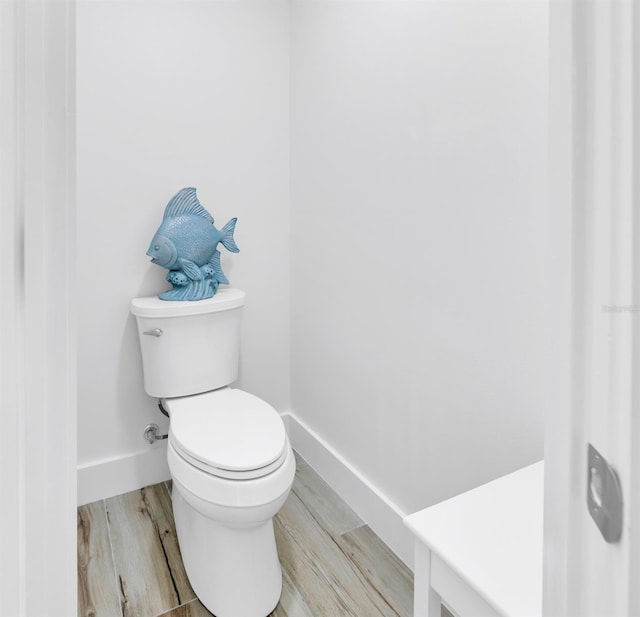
229,455
232,469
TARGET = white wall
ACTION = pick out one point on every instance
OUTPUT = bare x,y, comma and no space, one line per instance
418,238
415,218
173,94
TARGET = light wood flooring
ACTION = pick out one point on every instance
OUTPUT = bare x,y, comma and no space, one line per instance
333,565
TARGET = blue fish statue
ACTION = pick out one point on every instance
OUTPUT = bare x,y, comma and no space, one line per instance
186,244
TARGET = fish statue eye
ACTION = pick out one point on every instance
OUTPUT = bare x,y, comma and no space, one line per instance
156,248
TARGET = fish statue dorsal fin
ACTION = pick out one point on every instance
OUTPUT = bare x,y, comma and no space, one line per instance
185,202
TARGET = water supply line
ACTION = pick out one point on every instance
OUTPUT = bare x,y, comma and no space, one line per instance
161,407
151,430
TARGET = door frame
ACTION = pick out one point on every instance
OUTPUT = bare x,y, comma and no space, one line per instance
38,442
594,312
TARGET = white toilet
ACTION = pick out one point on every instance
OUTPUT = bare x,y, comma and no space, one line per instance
230,459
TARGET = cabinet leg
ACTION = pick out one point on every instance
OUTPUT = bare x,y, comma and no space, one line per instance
426,601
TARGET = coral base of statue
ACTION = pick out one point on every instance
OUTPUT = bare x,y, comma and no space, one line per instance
190,290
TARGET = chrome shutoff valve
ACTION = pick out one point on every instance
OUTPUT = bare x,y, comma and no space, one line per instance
151,433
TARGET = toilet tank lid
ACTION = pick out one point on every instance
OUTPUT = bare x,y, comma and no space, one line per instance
226,298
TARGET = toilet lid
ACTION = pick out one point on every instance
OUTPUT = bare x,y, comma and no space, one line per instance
227,432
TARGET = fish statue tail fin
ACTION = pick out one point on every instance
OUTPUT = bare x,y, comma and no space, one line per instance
227,236
217,268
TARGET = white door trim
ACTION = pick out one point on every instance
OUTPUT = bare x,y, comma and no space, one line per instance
11,467
37,320
594,314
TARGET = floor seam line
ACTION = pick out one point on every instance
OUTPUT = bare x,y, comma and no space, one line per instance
363,524
356,565
339,547
169,610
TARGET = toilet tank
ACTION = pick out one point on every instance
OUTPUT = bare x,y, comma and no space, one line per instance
189,347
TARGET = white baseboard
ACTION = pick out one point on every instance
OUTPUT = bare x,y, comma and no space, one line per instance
113,476
364,498
106,478
110,477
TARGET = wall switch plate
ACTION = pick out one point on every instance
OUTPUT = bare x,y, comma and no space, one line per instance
604,496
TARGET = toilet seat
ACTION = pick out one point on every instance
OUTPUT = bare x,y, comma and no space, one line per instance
227,433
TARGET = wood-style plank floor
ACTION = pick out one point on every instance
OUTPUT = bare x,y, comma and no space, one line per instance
333,565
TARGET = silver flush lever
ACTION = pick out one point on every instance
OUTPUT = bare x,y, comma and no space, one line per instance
154,332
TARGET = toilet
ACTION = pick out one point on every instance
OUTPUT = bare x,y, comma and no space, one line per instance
229,455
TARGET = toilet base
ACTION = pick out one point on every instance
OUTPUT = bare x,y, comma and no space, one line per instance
233,567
